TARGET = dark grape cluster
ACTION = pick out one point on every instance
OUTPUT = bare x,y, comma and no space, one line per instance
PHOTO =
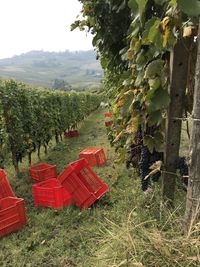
133,156
142,159
182,166
135,150
144,167
146,160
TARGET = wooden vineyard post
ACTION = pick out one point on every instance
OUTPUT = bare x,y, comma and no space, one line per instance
193,193
179,60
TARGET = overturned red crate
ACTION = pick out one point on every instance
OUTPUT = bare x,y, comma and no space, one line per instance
94,156
51,193
43,171
107,114
82,183
12,209
108,123
72,133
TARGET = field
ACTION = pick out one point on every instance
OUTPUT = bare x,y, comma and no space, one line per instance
124,228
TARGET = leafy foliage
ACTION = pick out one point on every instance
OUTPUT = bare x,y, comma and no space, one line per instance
30,118
134,40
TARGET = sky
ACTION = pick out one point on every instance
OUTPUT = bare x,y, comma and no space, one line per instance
27,25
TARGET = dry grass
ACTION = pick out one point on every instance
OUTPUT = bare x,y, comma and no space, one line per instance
148,243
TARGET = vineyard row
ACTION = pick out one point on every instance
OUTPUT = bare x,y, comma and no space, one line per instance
30,118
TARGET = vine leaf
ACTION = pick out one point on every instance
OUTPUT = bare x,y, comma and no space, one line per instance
166,37
154,142
149,142
159,100
154,85
154,68
188,31
133,6
141,6
155,167
155,117
127,105
133,125
191,8
154,30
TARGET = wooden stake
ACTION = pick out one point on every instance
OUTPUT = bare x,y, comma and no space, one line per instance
179,61
193,193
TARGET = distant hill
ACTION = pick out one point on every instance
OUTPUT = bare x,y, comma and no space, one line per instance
77,69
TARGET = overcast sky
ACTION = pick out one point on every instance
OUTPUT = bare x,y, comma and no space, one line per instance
27,25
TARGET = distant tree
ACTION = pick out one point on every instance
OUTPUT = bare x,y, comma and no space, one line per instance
60,84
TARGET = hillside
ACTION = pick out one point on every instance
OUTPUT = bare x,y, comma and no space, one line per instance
39,68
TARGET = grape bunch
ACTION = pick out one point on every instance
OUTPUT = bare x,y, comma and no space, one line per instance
182,166
142,159
147,159
135,150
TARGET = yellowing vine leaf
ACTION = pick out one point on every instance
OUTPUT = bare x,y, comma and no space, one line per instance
164,27
120,102
188,31
155,167
164,23
133,125
166,36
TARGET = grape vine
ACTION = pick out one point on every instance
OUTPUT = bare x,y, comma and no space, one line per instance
134,40
30,117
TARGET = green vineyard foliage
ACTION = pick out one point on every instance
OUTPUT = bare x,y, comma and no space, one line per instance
134,40
30,117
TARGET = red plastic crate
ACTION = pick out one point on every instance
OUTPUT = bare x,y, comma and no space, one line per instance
108,123
107,114
51,193
5,188
12,209
94,156
72,133
82,183
43,171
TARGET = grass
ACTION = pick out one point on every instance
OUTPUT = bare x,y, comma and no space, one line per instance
124,228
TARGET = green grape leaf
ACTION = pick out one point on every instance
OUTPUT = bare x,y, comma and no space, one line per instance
154,85
149,142
154,68
153,32
133,6
127,104
155,117
141,6
190,7
160,100
160,2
